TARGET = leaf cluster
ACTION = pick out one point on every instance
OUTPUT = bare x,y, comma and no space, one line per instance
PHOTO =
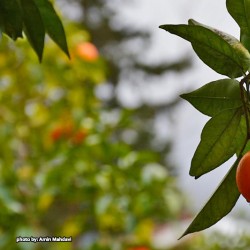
34,18
226,101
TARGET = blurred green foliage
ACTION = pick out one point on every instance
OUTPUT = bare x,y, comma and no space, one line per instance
66,166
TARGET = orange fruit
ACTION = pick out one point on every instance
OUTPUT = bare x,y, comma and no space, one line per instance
87,51
243,176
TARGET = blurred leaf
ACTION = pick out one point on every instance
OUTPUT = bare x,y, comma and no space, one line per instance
11,18
217,143
72,228
219,205
53,24
162,68
33,26
44,201
221,52
215,97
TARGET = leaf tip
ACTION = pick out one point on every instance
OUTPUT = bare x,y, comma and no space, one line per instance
183,96
67,54
192,22
194,175
40,58
181,236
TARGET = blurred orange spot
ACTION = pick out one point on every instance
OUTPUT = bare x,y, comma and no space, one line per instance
56,134
62,131
79,137
67,129
87,51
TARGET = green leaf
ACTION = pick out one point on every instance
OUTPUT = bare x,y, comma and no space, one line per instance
217,143
53,24
11,18
240,11
219,205
241,51
245,40
246,149
33,26
221,52
241,138
215,97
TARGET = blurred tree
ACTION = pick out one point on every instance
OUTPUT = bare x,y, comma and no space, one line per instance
122,46
66,167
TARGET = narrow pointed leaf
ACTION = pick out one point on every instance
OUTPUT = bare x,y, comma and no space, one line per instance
219,205
221,52
215,97
53,24
11,18
217,143
33,26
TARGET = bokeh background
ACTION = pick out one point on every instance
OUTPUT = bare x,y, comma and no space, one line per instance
98,147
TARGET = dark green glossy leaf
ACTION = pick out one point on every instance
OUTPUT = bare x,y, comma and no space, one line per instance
217,143
33,26
11,18
53,24
219,205
223,53
215,96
